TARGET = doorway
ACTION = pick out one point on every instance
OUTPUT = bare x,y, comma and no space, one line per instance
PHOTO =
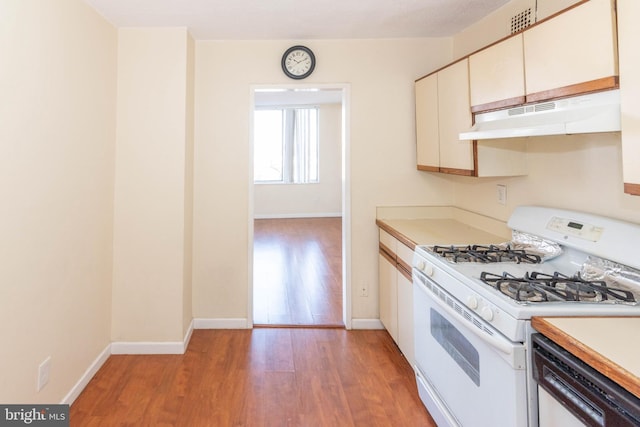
299,273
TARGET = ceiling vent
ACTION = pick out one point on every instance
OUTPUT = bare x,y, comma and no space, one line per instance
521,20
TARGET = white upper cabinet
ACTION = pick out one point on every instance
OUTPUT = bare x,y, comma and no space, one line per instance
442,112
629,33
427,128
496,75
571,53
576,47
456,156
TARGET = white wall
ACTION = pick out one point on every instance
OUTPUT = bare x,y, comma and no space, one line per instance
382,153
57,125
323,198
581,172
152,219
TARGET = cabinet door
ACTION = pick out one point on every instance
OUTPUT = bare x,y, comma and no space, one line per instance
388,298
629,34
405,316
570,50
456,156
496,75
427,134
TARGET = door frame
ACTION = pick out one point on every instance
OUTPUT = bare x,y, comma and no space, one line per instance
345,88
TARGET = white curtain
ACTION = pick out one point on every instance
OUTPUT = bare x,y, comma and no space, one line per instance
301,141
301,146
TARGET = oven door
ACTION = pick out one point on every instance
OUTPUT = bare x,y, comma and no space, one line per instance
468,374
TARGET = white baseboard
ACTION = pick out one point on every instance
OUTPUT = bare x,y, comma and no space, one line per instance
154,347
366,324
147,347
299,215
187,337
203,323
127,348
86,377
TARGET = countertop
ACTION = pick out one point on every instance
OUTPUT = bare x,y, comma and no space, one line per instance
442,225
611,345
436,231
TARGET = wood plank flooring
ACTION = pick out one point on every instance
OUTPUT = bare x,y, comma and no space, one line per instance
260,377
297,271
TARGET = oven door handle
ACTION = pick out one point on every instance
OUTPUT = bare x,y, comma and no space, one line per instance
505,346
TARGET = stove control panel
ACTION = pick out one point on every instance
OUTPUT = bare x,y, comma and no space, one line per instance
581,230
424,267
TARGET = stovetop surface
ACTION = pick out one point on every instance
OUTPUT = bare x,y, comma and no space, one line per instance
580,237
568,264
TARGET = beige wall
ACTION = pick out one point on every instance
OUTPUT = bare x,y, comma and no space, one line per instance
152,202
57,124
581,172
318,199
382,153
187,280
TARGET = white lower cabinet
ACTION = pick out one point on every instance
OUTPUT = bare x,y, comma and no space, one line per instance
396,292
388,295
405,317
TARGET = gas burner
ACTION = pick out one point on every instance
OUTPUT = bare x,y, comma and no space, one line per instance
541,287
485,254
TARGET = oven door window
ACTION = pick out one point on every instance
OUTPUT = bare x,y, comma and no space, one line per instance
456,345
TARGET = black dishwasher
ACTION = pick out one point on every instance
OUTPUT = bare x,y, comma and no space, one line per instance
587,394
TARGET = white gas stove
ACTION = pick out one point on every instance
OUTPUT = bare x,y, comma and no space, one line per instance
509,292
473,305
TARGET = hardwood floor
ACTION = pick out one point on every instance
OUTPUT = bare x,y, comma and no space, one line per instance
297,271
260,377
304,377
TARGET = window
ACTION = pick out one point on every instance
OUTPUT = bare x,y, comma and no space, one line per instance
286,145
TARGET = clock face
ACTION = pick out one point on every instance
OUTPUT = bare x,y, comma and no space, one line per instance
298,62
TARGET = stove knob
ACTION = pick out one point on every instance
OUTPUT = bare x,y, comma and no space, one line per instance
427,269
487,314
472,302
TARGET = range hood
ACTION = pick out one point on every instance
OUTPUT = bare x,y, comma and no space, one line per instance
590,113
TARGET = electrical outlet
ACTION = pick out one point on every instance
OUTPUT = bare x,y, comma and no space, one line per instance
502,194
364,290
43,373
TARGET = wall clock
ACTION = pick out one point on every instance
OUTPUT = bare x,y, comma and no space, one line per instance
298,62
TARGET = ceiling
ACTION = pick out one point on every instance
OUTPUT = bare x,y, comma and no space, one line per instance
300,19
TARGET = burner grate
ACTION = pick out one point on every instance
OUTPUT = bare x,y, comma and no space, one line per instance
542,287
486,254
